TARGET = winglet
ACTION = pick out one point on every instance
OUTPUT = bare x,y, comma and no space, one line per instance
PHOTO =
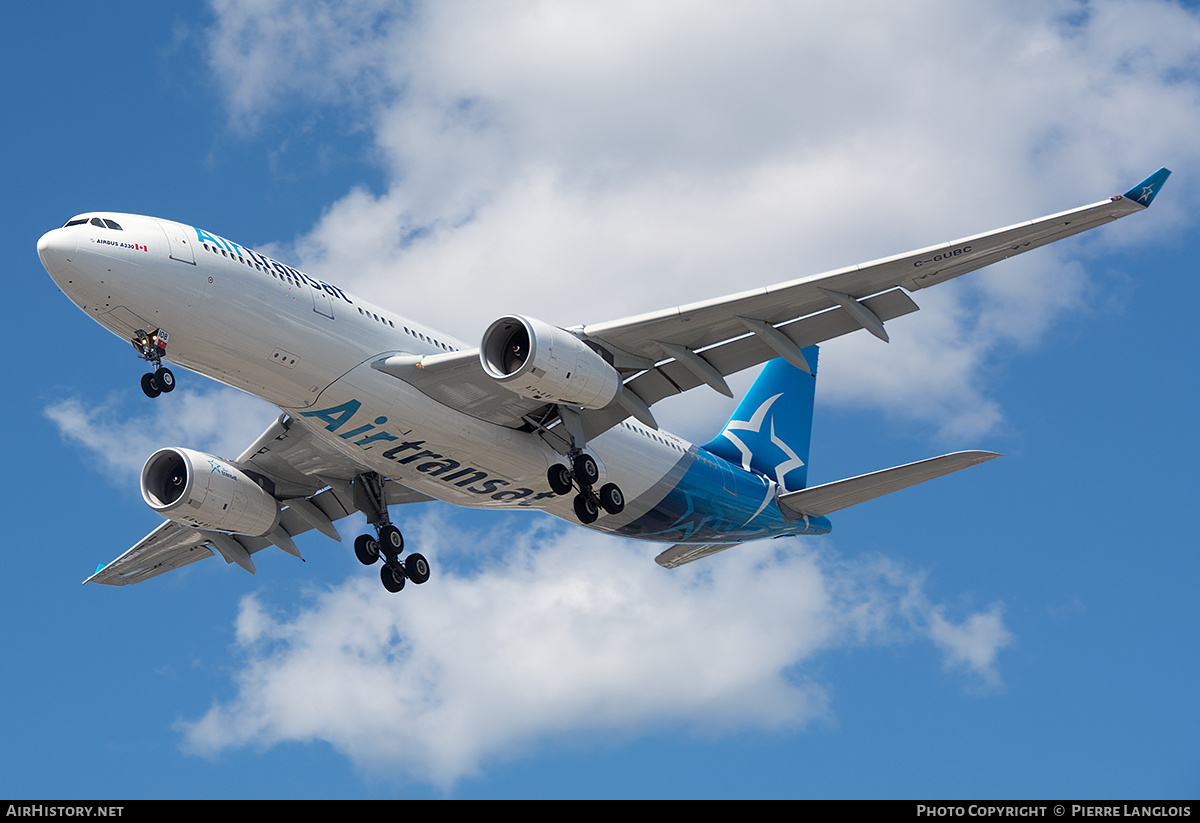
99,568
1144,192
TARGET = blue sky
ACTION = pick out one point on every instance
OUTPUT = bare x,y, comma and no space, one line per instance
1024,629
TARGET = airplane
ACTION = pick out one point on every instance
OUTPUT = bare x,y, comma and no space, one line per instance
378,410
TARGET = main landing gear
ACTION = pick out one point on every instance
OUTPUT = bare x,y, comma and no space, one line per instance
152,346
390,542
584,474
393,572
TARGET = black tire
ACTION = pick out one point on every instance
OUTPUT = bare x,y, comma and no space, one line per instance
391,540
611,498
366,549
586,472
585,509
559,478
417,568
150,386
165,380
393,579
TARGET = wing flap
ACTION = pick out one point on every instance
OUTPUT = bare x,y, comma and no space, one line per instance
672,377
830,497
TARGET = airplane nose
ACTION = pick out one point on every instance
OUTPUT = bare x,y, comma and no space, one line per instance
56,250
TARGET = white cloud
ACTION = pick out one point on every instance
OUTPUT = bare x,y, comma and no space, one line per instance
267,53
217,420
564,633
579,163
974,643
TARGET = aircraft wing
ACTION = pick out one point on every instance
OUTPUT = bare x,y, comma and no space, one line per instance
789,316
312,482
667,352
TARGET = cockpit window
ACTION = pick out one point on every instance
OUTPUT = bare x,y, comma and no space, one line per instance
102,222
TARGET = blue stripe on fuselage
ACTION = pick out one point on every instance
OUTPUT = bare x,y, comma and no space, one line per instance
716,501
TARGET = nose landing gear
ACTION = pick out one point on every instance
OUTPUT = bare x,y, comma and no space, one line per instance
151,347
158,382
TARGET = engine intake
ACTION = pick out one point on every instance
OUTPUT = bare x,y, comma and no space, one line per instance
543,362
203,491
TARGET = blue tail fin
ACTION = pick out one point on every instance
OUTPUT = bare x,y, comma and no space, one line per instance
771,429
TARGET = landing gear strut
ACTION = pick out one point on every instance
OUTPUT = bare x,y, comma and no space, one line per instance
369,498
584,473
151,347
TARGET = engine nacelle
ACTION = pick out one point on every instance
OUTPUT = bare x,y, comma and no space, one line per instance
543,362
203,491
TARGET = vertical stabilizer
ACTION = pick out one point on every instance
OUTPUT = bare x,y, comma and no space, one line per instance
771,429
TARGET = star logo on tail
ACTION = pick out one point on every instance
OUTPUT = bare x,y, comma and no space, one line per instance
763,448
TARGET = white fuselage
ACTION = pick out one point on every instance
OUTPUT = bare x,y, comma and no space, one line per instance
307,346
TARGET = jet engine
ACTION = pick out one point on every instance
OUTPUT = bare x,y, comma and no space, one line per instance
543,362
197,489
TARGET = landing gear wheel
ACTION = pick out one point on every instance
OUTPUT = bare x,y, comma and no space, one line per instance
366,549
391,539
417,568
586,471
150,386
164,379
585,509
559,478
393,579
611,499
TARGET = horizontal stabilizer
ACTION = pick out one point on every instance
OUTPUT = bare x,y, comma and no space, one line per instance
685,553
831,497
